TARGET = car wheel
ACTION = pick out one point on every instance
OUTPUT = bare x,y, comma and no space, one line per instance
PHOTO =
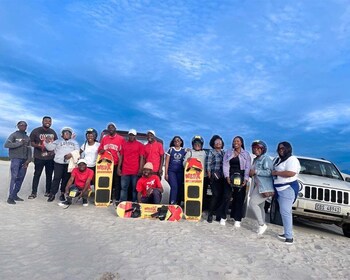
275,215
346,230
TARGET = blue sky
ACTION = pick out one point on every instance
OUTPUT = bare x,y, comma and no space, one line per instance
270,70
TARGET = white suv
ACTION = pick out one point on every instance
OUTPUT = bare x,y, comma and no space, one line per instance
324,195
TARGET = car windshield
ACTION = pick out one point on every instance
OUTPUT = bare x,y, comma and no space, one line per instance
319,168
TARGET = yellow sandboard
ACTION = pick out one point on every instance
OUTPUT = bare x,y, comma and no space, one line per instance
127,209
194,177
103,179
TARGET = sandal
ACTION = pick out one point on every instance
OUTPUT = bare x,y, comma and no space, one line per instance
32,196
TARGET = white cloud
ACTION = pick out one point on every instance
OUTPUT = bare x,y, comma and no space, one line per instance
332,117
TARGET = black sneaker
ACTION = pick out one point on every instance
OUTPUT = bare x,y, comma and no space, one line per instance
85,202
32,196
47,194
282,236
288,241
18,199
11,201
210,219
64,204
51,198
62,197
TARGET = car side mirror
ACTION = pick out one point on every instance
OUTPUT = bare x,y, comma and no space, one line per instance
347,179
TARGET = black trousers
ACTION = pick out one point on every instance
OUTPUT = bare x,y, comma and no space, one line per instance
39,165
217,189
238,197
116,185
61,175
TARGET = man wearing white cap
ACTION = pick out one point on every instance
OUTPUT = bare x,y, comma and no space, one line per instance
130,165
113,143
81,177
154,153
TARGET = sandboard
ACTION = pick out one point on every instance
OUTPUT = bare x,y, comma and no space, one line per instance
171,213
103,179
194,177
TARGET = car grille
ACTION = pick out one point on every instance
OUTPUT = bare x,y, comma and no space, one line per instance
327,195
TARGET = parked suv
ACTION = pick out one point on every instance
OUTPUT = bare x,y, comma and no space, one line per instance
324,195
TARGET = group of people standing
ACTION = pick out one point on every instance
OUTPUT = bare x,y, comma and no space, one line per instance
227,172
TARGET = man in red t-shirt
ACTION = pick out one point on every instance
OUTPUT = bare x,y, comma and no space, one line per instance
80,177
149,186
114,144
130,165
154,153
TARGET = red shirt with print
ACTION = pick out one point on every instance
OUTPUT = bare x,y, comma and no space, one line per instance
112,144
153,151
80,178
131,153
144,183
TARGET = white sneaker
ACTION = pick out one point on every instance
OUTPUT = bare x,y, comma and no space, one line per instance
262,229
223,222
237,224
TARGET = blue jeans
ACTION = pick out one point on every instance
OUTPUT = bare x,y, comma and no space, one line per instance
285,200
126,180
176,181
18,172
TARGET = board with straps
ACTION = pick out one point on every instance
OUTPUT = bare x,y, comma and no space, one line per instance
128,209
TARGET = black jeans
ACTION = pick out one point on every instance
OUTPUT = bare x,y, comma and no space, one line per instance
116,185
238,197
39,165
217,189
61,175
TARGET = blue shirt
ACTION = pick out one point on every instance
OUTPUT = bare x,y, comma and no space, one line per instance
176,158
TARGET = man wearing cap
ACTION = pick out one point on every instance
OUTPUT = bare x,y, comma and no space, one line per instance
154,153
113,143
130,165
149,186
20,154
42,157
80,177
63,149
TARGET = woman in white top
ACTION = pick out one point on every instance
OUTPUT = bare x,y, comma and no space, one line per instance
286,168
89,149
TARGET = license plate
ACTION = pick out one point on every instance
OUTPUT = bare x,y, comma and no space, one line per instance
328,208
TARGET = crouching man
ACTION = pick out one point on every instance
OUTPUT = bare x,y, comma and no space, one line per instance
80,178
149,188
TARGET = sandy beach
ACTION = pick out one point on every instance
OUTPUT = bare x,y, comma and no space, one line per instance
40,240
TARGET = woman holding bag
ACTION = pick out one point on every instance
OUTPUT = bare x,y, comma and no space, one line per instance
262,184
236,167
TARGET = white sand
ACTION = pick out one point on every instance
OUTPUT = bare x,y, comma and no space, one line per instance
40,240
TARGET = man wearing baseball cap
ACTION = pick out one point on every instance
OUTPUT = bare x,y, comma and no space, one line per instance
113,143
154,153
81,177
20,154
130,165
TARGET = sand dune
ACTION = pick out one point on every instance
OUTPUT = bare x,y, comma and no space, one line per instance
40,240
